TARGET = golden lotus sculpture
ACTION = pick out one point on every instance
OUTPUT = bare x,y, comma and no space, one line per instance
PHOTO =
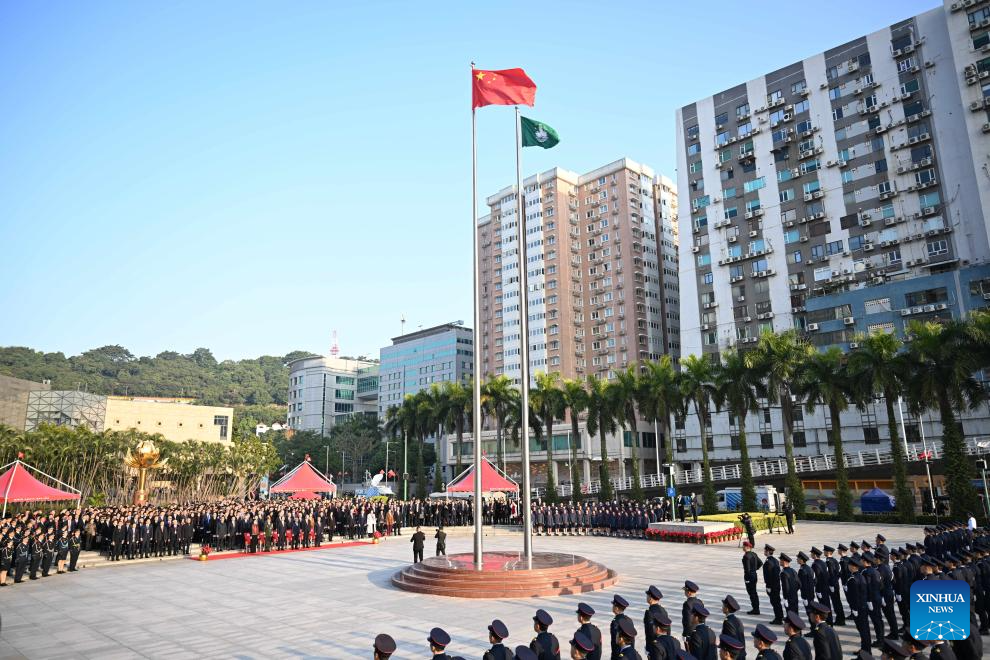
142,458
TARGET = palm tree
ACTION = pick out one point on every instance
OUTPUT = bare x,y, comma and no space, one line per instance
942,359
435,418
601,420
547,401
400,420
698,387
824,380
777,358
496,399
876,367
738,388
660,397
457,398
576,401
625,390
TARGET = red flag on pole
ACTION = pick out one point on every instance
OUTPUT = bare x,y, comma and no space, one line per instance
502,87
391,473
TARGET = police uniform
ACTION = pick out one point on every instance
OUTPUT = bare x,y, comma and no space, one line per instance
796,647
614,627
590,631
732,627
771,578
545,644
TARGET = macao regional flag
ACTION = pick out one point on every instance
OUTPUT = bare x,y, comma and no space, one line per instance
502,87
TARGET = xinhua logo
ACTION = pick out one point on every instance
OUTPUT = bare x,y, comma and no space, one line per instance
940,609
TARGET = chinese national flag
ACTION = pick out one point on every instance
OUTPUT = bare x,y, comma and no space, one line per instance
504,87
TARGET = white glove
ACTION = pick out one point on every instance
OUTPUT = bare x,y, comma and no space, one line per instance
853,612
898,598
768,591
870,606
845,588
807,603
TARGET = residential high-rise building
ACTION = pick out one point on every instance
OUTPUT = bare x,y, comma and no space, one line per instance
845,193
416,360
603,293
602,272
325,390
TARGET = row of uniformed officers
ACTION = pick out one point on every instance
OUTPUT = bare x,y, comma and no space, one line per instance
872,583
700,641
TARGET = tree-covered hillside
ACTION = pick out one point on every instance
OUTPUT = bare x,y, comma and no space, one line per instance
114,370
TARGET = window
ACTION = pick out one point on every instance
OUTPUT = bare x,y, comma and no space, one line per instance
794,257
798,87
694,149
792,236
786,195
978,16
708,278
704,260
695,167
766,440
775,96
343,407
722,138
755,184
798,439
834,93
742,110
722,119
692,132
938,247
835,247
871,435
223,422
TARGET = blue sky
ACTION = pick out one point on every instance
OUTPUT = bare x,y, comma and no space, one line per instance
248,176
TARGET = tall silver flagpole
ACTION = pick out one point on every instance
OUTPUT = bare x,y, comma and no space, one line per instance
476,348
524,349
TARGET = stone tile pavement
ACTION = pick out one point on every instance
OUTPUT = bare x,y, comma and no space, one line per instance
330,603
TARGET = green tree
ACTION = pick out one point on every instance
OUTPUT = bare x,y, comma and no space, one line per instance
547,402
777,358
601,420
823,380
496,398
941,360
576,400
737,387
876,366
660,398
458,399
698,387
626,390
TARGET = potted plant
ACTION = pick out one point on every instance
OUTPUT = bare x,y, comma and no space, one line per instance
204,552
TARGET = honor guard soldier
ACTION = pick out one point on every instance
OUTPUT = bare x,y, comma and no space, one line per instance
384,647
524,653
894,650
796,647
834,585
627,636
653,596
858,603
545,644
690,598
806,579
731,625
590,630
751,564
874,594
763,639
789,583
438,641
664,646
730,648
771,578
441,537
823,637
619,605
820,570
701,643
581,646
497,632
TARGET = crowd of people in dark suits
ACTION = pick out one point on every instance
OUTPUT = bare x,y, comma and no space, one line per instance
36,544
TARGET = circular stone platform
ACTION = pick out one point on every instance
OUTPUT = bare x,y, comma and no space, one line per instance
505,575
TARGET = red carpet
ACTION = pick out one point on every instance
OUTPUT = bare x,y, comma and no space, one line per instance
231,555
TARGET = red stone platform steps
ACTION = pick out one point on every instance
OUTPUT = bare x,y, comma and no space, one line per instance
213,556
505,575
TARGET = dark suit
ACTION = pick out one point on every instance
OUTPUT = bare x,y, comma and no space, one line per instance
418,540
826,643
702,643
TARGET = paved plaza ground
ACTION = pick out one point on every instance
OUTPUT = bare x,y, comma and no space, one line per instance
331,603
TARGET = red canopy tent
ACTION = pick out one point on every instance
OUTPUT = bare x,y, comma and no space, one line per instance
18,485
303,478
304,495
492,480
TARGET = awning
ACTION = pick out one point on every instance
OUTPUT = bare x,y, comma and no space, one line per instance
304,477
492,480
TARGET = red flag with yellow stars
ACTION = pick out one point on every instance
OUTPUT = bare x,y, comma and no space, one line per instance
503,87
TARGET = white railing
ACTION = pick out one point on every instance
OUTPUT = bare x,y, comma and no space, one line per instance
776,467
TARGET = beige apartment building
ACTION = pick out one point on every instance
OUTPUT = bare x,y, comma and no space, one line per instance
603,293
176,419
